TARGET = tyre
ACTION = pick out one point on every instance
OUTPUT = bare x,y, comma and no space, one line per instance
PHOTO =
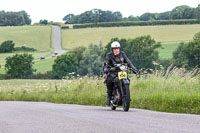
126,100
112,107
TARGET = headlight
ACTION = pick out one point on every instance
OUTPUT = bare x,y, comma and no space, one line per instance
122,67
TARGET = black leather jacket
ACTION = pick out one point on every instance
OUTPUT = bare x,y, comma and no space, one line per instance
112,59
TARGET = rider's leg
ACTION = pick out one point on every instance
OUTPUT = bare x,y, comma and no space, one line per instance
109,84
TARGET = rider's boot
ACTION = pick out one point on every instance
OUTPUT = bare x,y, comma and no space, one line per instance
108,98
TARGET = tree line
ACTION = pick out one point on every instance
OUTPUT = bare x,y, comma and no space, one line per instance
82,61
97,15
14,18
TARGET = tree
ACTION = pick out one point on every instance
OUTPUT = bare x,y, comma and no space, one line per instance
92,61
189,13
68,18
7,46
19,66
65,65
26,17
141,50
197,37
188,54
197,13
147,16
45,22
93,16
78,51
179,55
132,18
178,12
14,18
164,15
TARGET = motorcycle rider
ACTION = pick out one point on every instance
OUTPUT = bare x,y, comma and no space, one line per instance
114,57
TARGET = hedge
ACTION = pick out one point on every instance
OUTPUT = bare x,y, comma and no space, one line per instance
137,23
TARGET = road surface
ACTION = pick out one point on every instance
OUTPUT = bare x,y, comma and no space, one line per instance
41,117
57,44
57,40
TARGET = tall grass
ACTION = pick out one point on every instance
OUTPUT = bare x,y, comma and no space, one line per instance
175,90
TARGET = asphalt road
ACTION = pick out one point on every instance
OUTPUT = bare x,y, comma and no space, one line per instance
40,117
57,40
57,43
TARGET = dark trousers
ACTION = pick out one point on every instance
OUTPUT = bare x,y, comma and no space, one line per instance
109,84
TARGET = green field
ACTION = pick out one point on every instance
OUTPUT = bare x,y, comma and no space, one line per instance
41,66
36,55
166,51
37,37
166,33
44,65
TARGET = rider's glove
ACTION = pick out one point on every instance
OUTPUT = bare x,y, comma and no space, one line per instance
105,70
112,69
135,71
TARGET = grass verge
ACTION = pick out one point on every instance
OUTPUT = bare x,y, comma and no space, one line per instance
180,94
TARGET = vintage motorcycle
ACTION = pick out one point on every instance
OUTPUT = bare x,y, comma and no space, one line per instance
121,91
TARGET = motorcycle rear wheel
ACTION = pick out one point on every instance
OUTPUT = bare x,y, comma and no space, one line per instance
112,107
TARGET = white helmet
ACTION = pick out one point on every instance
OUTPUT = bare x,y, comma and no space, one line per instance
115,44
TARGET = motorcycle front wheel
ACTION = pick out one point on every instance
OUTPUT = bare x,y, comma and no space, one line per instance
126,99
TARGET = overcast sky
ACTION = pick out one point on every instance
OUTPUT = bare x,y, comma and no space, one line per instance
55,10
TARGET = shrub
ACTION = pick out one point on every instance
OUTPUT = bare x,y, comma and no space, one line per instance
7,46
24,48
19,66
188,54
64,65
47,75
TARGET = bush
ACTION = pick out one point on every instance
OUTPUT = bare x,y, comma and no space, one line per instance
4,76
91,62
19,66
188,54
65,27
64,65
47,75
56,23
7,46
24,48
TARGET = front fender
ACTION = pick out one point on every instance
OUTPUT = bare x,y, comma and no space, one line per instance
125,82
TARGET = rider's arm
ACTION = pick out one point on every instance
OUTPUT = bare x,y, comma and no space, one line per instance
130,64
106,62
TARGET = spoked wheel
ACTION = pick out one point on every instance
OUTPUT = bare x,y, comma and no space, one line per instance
112,107
126,99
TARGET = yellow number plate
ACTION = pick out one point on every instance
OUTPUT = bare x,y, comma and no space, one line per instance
122,75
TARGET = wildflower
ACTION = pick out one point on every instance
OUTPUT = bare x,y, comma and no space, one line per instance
154,63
